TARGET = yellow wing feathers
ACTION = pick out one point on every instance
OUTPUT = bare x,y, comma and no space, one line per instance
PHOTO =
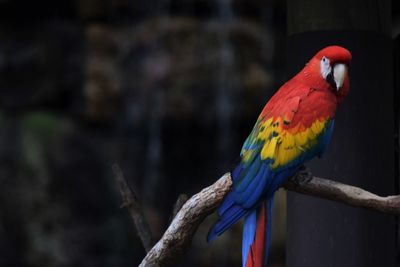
284,145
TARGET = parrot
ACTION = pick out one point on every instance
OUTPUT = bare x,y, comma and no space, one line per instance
295,126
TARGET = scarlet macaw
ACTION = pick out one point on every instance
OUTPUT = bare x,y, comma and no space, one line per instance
294,126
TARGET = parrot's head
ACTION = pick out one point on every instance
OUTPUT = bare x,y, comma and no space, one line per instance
332,63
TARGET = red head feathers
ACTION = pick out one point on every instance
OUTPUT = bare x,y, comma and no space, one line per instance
328,70
336,54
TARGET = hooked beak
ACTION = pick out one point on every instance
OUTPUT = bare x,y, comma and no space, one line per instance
339,74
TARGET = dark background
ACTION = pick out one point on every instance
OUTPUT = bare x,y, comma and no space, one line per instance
169,90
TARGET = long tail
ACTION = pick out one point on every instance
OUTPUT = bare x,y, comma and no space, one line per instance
257,236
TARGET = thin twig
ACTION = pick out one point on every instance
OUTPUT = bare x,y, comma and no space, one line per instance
131,202
181,230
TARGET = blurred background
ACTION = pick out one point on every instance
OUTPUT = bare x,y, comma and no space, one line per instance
167,89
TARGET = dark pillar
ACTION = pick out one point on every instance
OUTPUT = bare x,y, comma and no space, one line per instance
325,233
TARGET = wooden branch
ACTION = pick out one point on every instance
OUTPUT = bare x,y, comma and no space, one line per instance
347,194
182,198
182,228
131,202
180,232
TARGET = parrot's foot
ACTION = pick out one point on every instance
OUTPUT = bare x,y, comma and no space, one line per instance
303,176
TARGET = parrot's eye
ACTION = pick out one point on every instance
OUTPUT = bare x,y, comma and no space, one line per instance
325,67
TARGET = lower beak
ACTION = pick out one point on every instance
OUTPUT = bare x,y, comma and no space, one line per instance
339,74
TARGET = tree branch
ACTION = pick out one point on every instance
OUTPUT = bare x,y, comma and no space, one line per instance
347,194
182,198
181,230
131,202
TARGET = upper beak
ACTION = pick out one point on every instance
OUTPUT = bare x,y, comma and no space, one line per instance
339,74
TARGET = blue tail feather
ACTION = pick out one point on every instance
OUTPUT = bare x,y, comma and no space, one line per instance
249,232
270,204
255,248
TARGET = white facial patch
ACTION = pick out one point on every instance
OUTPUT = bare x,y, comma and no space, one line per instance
339,73
325,66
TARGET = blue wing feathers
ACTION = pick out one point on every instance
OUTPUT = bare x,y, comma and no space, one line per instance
249,176
228,202
238,204
256,189
236,172
230,217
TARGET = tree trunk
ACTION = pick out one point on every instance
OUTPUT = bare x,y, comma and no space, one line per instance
324,233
